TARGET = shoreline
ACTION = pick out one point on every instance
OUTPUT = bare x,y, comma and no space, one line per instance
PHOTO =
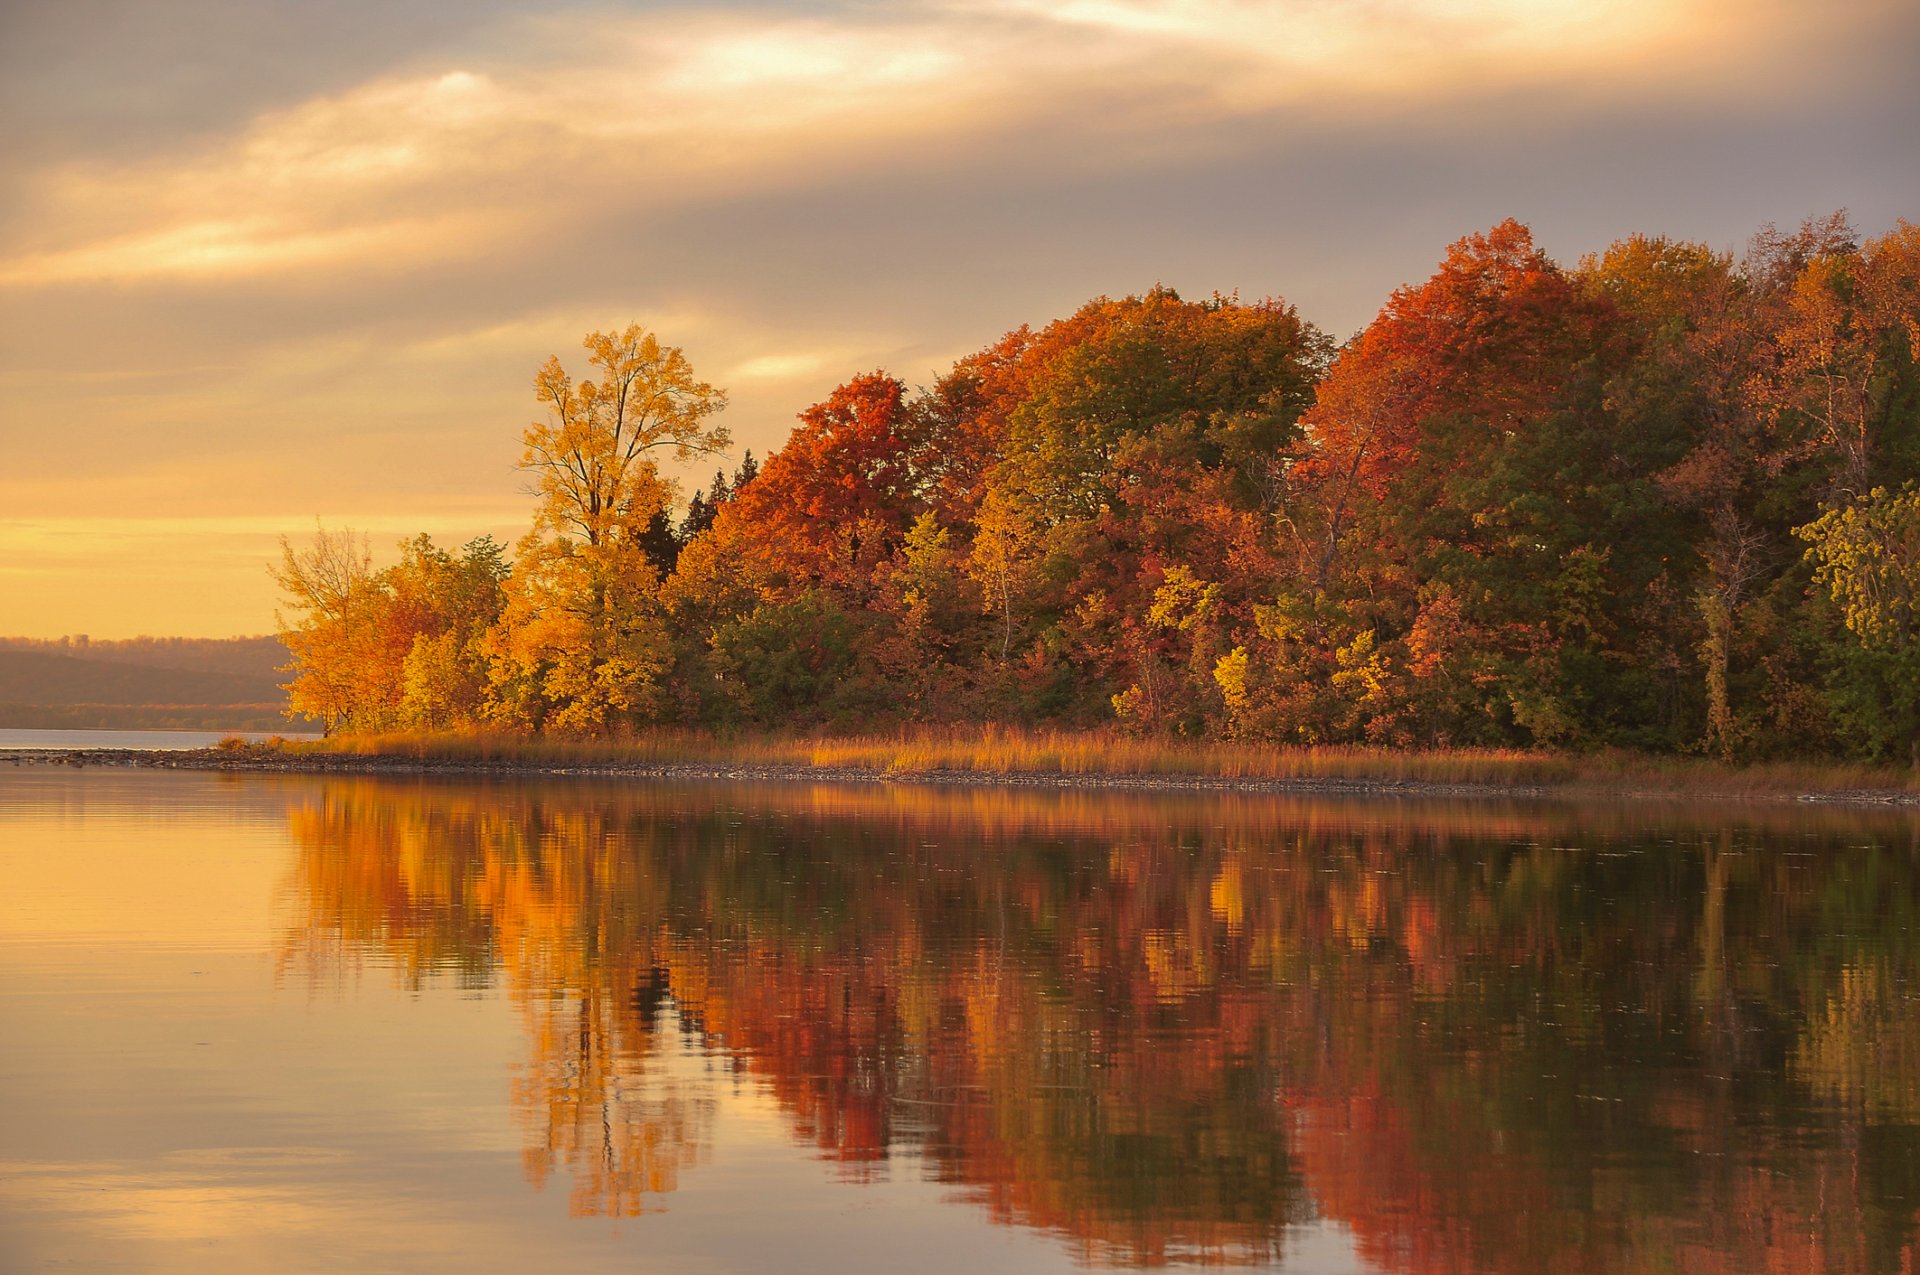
272,762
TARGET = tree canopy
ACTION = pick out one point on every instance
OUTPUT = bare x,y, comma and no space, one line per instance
1656,499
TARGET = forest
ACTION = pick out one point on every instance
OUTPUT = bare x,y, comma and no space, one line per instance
1662,500
143,683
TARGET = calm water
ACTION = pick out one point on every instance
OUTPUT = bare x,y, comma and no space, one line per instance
252,1023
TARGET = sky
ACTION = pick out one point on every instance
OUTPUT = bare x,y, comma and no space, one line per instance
272,263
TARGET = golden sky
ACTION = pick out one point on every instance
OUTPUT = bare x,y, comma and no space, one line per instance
263,263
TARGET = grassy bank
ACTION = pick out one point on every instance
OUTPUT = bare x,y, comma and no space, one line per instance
998,751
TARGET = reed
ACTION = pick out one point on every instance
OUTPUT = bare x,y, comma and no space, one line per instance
1016,751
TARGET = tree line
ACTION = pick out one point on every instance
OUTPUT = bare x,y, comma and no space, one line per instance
1664,499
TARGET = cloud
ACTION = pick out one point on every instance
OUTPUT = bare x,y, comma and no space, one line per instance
330,294
777,367
235,248
667,109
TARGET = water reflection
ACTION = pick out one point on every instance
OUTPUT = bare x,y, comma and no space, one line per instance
1484,1038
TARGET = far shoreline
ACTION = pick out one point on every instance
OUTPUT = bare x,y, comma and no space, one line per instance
268,760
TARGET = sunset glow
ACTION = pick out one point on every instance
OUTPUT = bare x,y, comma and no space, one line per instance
236,303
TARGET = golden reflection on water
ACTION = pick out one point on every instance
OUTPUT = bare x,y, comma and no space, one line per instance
1484,1036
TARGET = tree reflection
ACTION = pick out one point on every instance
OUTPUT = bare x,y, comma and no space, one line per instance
1485,1038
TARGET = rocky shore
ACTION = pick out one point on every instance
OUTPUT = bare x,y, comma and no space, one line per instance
263,760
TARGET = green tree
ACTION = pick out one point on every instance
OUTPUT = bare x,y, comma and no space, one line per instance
1238,374
933,609
786,661
1867,554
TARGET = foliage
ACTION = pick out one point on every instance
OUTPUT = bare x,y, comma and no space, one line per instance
393,648
594,457
1550,1038
782,661
1867,554
1526,506
581,643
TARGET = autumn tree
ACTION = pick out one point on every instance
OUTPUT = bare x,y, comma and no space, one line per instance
457,598
1004,565
1141,435
595,458
1526,505
1867,556
582,641
392,648
329,590
833,503
772,593
1436,471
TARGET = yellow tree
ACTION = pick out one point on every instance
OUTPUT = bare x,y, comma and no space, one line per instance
594,457
581,644
399,647
330,589
1867,554
446,603
1008,545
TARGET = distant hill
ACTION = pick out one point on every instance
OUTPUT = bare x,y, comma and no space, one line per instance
184,683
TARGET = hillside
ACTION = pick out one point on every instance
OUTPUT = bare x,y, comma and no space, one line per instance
184,683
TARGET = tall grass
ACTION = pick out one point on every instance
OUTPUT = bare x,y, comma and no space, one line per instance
998,750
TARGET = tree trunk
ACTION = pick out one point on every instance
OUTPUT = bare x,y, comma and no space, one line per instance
1715,651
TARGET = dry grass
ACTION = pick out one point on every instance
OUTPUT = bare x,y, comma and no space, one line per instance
998,750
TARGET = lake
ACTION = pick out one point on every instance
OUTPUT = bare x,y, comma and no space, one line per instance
298,1023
